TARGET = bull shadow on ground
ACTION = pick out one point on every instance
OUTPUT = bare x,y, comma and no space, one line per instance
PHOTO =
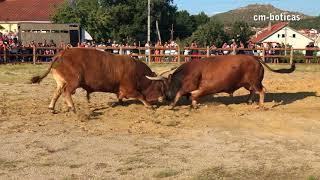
278,98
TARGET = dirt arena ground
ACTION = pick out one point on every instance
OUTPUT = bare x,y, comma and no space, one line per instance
223,139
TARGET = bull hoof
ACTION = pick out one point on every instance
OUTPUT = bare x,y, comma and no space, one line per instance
250,102
51,109
194,107
172,107
150,107
114,104
71,109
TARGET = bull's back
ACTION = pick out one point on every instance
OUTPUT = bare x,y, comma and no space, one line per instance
221,73
228,73
94,70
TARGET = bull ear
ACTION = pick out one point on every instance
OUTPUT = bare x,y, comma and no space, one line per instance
158,78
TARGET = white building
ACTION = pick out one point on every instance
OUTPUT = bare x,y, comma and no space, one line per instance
282,33
13,12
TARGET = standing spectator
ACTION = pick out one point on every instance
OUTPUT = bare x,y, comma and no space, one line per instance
234,46
108,45
241,50
115,47
194,51
135,51
157,51
276,52
147,51
309,52
174,52
213,50
225,46
186,53
250,46
128,50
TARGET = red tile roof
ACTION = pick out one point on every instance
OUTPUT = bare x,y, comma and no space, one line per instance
268,32
27,10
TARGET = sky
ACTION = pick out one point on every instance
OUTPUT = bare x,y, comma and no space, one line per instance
211,7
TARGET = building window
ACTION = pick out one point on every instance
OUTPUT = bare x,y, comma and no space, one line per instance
294,35
283,35
278,35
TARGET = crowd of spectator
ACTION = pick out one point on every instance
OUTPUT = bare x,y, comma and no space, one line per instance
162,52
10,45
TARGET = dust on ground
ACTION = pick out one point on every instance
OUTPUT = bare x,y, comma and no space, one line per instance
224,139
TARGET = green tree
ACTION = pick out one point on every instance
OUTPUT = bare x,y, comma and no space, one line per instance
241,31
89,13
307,23
184,24
199,19
121,20
210,33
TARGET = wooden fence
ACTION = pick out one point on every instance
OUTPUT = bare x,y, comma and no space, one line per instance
35,54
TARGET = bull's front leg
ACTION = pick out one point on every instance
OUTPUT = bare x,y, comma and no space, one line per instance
195,97
132,93
176,99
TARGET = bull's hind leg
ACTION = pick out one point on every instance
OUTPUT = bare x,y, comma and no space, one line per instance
68,91
259,87
57,93
251,96
252,91
68,100
261,100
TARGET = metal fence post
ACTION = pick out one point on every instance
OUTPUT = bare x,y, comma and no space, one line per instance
34,54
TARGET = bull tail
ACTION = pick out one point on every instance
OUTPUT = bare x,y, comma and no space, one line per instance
38,79
282,71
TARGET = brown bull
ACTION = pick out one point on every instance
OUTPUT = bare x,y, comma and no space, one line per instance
98,71
218,74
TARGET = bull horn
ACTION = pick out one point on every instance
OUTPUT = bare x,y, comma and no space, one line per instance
158,78
172,69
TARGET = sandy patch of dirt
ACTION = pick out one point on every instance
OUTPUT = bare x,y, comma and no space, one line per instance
223,139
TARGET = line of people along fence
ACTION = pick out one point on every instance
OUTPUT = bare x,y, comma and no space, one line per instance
175,55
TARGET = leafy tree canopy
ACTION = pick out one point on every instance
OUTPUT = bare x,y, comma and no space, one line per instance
210,33
121,20
126,21
241,32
